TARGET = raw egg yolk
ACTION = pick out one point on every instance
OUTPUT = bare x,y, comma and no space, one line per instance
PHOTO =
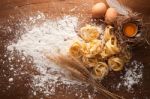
130,29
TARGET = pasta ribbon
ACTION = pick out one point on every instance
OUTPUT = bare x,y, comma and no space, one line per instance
75,50
100,70
84,49
107,33
111,47
126,55
89,62
94,47
89,33
115,63
104,53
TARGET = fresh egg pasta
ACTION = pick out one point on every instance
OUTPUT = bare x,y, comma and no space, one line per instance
75,49
126,55
89,33
89,62
94,47
111,47
94,51
107,33
115,63
100,70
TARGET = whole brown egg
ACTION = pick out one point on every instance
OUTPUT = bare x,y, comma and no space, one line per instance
111,15
99,10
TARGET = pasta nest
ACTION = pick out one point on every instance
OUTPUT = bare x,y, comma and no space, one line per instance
100,70
115,63
89,62
89,33
75,49
99,55
93,48
111,47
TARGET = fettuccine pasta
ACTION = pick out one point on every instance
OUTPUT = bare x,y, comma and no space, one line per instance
94,52
111,47
94,47
75,49
89,33
100,70
107,33
116,63
89,62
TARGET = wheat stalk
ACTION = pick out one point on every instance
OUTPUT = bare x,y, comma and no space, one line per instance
79,71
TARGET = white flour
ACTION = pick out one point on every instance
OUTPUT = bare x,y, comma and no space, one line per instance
133,76
50,37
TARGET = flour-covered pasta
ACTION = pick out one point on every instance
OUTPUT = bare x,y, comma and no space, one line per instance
75,49
100,70
89,33
115,63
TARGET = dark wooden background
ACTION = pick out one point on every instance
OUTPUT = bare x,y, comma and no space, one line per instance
56,8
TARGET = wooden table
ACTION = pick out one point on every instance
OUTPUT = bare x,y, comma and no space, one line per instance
56,8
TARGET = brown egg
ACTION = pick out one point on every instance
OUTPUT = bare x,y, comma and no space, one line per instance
99,10
111,15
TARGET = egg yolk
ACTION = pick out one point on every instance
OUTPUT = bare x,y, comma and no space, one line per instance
130,29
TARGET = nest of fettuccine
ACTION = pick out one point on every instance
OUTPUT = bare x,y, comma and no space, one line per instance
100,52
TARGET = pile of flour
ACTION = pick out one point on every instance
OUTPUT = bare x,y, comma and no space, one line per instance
48,38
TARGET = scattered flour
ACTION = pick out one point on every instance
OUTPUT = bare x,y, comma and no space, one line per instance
133,76
49,37
10,79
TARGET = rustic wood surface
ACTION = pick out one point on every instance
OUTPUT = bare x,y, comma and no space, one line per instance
57,8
